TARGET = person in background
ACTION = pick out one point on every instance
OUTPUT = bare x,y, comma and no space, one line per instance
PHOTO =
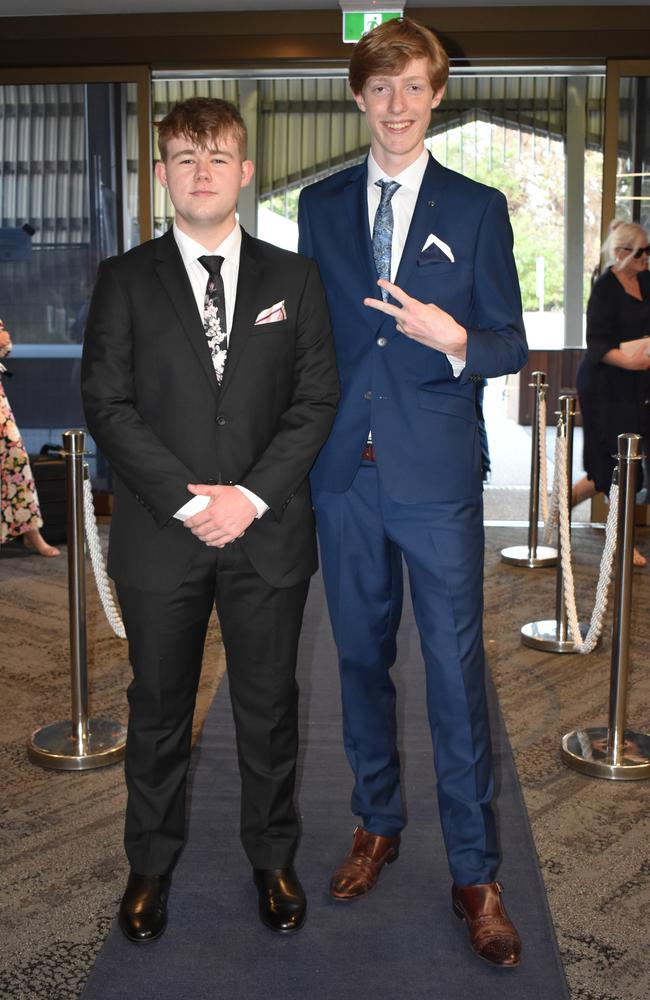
20,515
400,475
613,381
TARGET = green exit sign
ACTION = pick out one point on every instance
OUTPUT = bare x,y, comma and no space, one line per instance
358,22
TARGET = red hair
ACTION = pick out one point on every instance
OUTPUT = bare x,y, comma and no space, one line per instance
388,48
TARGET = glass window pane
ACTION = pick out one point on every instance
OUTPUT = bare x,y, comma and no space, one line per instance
633,161
69,178
68,199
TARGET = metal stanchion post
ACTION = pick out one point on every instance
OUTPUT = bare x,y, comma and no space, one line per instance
553,635
616,752
533,555
79,743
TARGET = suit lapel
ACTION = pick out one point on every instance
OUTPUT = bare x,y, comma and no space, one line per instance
355,220
246,304
176,284
423,221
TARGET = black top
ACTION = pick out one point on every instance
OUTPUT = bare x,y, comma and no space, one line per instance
613,316
612,399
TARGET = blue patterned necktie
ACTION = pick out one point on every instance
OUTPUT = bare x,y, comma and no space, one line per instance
214,313
382,231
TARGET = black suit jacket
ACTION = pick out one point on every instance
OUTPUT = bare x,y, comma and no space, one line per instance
155,409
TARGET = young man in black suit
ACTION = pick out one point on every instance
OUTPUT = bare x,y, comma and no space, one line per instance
209,382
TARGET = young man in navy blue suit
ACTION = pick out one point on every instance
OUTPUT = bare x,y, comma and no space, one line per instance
424,298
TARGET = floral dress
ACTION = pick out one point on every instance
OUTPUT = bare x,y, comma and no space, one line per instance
19,510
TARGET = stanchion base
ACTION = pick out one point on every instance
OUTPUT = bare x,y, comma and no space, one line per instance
585,750
54,746
543,635
521,555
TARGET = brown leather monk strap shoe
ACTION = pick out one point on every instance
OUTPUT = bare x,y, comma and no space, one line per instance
492,934
359,870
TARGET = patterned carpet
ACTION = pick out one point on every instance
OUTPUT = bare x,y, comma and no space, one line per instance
60,834
591,835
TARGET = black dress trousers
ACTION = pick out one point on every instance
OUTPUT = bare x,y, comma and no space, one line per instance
260,628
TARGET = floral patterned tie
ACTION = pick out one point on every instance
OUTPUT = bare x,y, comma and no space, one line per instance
214,314
382,231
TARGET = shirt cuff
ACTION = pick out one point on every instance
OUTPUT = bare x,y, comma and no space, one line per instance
199,503
457,364
192,507
257,502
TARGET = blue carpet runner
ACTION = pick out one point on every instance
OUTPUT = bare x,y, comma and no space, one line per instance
402,942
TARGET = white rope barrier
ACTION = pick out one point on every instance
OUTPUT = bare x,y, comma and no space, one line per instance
543,471
605,577
561,499
553,509
97,561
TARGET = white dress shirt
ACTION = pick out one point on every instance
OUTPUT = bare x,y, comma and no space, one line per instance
403,205
230,250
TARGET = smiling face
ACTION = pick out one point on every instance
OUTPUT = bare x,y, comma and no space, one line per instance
398,111
204,186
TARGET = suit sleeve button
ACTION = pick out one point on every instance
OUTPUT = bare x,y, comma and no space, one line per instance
381,341
221,421
367,395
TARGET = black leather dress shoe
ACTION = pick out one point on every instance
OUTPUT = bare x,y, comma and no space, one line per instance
143,910
282,900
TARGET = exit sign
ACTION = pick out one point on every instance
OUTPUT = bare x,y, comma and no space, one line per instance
358,22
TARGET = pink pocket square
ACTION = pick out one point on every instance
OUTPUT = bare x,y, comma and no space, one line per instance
272,315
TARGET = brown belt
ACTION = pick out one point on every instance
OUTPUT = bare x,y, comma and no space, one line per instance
368,453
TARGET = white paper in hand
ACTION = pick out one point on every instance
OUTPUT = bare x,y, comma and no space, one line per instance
630,347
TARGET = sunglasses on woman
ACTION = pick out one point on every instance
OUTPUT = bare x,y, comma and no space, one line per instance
638,252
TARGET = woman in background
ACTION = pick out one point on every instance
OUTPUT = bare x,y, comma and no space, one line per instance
19,510
613,381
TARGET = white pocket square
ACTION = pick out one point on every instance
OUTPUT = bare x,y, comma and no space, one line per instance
272,315
435,240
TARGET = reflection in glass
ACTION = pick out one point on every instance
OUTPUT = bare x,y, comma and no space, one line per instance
68,169
633,161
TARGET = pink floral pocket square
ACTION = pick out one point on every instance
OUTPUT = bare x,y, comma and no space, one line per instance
272,315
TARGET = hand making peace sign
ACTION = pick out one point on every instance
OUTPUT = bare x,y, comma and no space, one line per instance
422,321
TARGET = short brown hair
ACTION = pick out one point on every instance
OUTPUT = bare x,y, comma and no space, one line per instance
388,48
204,121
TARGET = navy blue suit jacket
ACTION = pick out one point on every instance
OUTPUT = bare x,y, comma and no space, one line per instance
423,420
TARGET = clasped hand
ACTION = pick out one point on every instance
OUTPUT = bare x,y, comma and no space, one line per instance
225,518
422,321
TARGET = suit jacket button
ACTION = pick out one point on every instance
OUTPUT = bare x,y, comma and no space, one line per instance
381,341
367,395
221,421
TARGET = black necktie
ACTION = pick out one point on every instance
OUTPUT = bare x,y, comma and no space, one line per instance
214,313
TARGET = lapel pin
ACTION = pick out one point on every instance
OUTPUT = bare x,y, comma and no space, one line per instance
431,204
